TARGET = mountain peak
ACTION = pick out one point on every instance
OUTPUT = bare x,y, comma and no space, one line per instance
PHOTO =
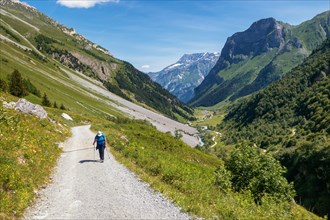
260,37
190,58
264,20
188,72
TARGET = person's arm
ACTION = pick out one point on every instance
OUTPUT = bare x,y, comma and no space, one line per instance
105,141
94,141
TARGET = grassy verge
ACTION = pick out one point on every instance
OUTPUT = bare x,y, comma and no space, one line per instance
185,175
28,153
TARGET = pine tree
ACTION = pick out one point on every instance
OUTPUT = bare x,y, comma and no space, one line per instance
16,84
62,107
55,104
45,100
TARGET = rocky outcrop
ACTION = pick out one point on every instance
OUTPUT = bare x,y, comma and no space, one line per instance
103,69
27,107
92,67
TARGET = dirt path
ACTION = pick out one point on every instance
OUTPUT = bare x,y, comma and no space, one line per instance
83,188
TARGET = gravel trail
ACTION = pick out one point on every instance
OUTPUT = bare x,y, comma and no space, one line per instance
83,188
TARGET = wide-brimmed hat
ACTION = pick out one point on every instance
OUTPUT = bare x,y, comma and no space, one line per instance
99,133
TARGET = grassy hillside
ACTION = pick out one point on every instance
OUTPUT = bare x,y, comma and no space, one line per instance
290,119
55,45
50,79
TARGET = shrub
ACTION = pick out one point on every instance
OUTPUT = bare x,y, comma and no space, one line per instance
259,173
178,134
223,178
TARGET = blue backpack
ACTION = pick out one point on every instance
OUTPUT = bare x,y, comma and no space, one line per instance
100,140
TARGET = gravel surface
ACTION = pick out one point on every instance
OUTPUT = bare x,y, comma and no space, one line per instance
84,188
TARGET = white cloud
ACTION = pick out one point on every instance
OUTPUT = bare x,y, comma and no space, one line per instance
82,3
145,67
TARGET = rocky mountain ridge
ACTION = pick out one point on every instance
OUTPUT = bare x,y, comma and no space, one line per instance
186,74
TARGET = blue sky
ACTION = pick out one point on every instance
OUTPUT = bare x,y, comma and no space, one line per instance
152,34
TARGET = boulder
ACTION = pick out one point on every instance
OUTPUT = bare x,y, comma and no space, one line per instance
67,117
29,108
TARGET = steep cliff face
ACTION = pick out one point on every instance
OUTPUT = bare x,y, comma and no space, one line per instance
261,37
258,56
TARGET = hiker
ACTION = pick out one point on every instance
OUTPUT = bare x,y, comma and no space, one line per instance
101,141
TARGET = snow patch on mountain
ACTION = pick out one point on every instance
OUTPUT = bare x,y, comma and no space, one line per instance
182,77
173,66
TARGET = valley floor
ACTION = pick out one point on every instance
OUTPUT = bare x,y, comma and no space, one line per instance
84,188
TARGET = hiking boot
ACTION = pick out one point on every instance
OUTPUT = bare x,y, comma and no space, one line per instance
102,161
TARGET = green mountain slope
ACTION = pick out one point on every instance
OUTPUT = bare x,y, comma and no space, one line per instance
291,119
50,42
262,54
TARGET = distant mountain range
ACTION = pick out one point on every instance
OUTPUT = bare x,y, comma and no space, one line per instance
260,55
182,77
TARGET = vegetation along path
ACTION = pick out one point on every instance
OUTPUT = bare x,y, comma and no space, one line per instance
83,188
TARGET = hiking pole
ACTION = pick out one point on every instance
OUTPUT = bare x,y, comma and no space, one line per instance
94,150
106,149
